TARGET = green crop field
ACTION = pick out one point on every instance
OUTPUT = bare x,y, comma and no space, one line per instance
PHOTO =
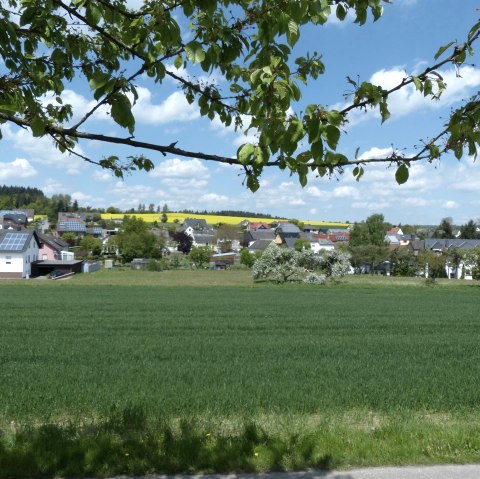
308,367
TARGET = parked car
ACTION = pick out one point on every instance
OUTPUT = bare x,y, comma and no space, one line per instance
56,274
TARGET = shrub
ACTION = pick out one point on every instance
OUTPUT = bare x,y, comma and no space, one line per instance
314,278
154,265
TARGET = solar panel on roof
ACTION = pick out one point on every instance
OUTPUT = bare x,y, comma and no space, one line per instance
14,241
71,226
11,212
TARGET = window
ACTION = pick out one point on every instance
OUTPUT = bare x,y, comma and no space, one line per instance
8,259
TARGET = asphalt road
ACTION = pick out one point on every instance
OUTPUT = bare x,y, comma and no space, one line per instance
413,472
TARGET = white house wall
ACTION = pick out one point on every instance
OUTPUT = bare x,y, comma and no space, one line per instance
13,264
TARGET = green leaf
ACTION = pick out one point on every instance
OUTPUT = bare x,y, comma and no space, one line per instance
332,134
98,79
302,178
358,172
334,117
341,12
295,130
260,155
178,62
401,175
38,126
434,151
427,87
385,114
245,153
461,57
93,13
317,150
122,112
194,52
473,30
418,83
442,49
293,33
252,183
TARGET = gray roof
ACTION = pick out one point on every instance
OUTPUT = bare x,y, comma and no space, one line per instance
417,245
441,243
204,239
325,242
13,217
195,223
262,234
290,241
16,241
289,228
260,245
56,243
309,237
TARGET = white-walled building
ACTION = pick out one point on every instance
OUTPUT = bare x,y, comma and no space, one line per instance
18,250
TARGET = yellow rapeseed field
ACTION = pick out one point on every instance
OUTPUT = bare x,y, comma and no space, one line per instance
213,219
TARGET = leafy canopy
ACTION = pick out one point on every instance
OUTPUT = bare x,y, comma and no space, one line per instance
48,45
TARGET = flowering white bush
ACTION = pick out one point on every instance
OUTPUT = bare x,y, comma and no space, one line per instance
285,264
279,264
336,263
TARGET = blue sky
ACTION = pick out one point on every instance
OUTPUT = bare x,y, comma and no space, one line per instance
401,43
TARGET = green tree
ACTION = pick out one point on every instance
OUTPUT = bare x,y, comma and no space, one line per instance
368,254
91,244
133,224
70,238
370,232
302,244
402,262
136,241
469,230
49,45
200,255
164,218
247,258
445,229
432,264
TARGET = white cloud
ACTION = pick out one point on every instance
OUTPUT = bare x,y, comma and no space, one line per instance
450,204
375,152
185,186
54,187
346,192
85,199
371,206
417,201
315,192
177,168
174,108
42,150
19,168
214,199
102,175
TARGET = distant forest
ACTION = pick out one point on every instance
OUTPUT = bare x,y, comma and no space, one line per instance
12,197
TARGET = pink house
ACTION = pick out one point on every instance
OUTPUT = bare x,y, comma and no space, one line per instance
51,248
